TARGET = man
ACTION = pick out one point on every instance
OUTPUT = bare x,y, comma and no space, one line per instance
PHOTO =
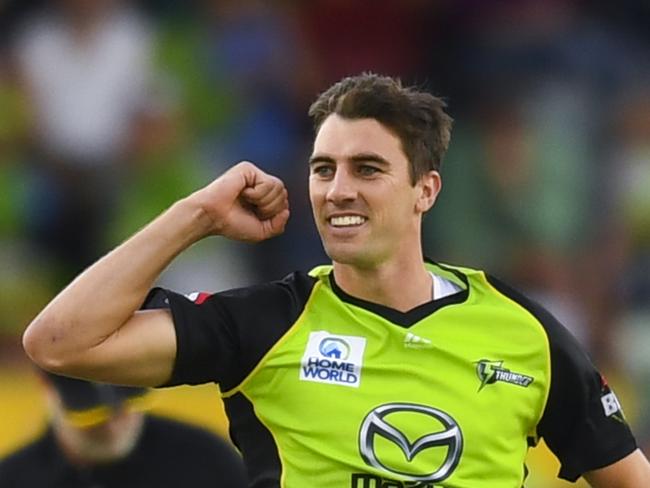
98,437
380,370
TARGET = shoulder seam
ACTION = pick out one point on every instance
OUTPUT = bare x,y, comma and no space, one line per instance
289,332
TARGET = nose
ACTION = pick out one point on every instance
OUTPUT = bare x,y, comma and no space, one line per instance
341,188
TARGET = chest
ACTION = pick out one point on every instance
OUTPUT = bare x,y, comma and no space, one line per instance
450,393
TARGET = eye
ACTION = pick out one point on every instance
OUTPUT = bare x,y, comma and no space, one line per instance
367,170
323,170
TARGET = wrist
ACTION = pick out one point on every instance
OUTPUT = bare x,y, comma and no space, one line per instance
195,222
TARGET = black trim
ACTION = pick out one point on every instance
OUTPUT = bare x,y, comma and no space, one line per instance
255,442
413,316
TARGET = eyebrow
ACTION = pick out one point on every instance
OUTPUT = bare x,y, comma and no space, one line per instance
320,158
363,157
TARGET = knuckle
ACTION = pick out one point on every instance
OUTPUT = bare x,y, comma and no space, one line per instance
245,165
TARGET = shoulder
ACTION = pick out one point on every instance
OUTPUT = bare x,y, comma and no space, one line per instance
279,301
176,433
293,289
485,287
33,33
561,341
221,336
507,308
17,469
192,447
519,298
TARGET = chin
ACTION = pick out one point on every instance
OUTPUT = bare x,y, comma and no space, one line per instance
110,448
350,255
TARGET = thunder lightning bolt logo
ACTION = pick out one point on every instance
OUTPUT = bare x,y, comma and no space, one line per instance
490,372
487,371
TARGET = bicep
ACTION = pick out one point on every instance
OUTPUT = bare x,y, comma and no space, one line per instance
141,352
630,472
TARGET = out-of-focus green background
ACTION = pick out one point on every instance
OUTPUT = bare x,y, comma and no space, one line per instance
110,110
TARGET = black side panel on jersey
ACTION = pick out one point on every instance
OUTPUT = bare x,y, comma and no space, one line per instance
223,338
254,441
575,425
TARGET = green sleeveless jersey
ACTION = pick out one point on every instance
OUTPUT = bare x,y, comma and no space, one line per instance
324,389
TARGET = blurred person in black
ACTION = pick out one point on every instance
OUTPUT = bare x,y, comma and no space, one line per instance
99,437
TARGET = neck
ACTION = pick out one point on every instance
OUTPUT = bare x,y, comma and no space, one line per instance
398,285
68,447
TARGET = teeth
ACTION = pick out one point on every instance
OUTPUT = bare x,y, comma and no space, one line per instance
347,220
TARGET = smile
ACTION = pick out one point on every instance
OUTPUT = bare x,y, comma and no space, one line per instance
347,220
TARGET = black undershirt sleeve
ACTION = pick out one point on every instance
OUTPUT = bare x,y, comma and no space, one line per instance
221,337
582,423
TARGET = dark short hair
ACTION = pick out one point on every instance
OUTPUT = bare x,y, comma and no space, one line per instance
417,117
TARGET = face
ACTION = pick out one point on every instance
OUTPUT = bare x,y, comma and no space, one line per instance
366,209
108,441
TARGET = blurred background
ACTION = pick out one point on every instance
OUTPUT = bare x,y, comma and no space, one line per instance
111,110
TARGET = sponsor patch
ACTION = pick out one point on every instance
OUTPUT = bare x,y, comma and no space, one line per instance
334,359
430,451
611,405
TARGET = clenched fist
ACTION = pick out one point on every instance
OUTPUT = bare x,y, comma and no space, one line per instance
244,204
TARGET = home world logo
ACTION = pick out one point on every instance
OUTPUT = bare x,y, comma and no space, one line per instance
334,359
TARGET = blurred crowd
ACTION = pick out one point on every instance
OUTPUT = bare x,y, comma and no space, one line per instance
111,110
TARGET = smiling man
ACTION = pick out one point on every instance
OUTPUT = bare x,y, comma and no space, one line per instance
367,210
379,370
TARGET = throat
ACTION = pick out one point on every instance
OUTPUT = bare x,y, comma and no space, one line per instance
400,291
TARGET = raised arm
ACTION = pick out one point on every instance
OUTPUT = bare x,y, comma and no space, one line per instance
93,328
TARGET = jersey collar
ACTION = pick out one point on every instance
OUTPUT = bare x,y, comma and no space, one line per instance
411,317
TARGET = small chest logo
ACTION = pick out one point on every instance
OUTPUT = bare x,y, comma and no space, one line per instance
331,358
411,341
490,372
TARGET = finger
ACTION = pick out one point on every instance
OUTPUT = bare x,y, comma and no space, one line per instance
278,204
275,225
260,197
269,203
262,188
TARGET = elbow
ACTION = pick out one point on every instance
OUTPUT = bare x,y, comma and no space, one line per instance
42,345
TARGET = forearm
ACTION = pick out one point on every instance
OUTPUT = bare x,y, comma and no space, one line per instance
91,329
102,298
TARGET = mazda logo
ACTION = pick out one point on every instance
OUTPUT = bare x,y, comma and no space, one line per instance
449,437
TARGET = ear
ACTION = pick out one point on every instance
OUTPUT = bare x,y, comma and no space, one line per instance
429,185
